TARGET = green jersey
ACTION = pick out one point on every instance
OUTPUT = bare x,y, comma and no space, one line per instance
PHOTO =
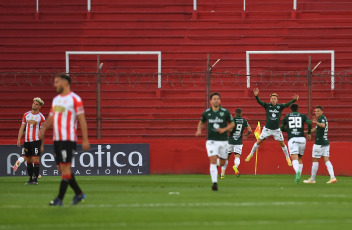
293,124
273,113
321,137
215,120
235,137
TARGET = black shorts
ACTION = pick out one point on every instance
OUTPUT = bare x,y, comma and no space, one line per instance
64,151
32,148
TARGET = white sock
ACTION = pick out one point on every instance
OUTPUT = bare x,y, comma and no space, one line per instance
285,151
300,167
237,162
20,160
315,167
330,169
295,165
254,148
223,168
214,173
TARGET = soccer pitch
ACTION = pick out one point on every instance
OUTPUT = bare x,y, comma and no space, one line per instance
179,202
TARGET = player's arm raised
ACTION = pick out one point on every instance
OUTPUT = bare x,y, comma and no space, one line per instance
315,121
83,123
256,92
295,98
20,134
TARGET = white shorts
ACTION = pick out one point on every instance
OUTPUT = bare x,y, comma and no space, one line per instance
217,148
321,151
297,145
277,134
237,149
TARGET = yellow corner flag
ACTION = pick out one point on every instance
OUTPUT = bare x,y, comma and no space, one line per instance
257,133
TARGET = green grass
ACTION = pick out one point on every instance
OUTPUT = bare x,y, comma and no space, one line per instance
179,202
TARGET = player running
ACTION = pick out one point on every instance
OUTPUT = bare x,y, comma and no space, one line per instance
66,109
293,124
272,127
321,147
32,121
235,142
219,122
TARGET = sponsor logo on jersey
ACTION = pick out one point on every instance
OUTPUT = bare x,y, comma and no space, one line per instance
216,120
32,122
274,111
59,109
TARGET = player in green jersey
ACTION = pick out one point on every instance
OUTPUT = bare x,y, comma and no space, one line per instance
272,126
321,147
293,124
235,141
219,122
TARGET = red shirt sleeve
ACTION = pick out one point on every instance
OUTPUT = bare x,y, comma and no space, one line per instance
24,121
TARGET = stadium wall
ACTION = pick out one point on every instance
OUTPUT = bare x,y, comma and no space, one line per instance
188,156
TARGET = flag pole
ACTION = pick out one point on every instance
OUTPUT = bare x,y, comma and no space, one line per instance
257,135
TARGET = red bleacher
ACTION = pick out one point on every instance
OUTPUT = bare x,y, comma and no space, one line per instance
34,42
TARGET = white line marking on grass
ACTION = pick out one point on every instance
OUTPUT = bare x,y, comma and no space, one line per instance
176,205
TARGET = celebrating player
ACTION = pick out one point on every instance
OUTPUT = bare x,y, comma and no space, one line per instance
32,121
66,109
235,141
321,147
219,122
272,126
293,124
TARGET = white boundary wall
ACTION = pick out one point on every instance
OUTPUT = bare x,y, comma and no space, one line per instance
68,53
331,52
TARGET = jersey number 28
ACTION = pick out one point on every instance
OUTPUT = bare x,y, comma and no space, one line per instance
295,122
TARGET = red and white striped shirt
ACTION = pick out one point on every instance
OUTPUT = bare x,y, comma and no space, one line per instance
65,110
33,123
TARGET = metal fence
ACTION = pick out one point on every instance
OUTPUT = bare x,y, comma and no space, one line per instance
234,85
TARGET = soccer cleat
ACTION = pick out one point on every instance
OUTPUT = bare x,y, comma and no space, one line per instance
214,187
298,177
56,202
237,173
289,161
15,167
332,181
35,181
29,182
309,181
78,198
222,176
249,157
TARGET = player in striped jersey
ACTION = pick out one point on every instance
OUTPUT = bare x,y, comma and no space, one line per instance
67,108
32,121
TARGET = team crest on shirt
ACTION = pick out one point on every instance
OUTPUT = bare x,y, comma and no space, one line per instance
221,114
59,109
209,114
278,107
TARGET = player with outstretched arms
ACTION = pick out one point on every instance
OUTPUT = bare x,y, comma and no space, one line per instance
235,142
293,124
272,126
33,146
321,147
219,122
66,109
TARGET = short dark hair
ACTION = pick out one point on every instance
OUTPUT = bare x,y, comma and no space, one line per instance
319,107
214,94
64,76
238,112
294,107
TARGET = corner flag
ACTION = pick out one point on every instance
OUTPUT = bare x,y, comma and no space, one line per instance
257,133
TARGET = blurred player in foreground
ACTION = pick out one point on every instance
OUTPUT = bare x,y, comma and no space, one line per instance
235,142
293,124
272,126
219,122
66,109
321,147
32,121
